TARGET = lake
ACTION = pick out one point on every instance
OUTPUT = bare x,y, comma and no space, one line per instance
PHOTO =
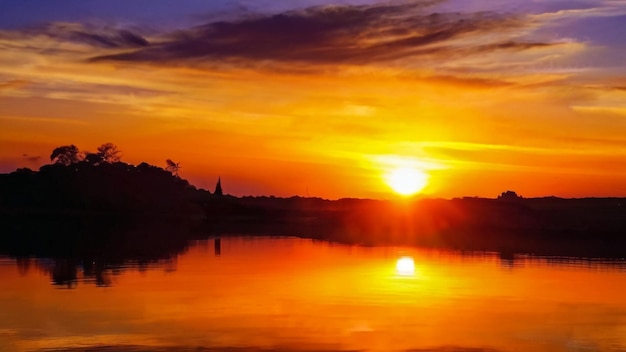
291,294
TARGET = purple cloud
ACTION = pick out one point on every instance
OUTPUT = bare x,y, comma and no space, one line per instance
331,35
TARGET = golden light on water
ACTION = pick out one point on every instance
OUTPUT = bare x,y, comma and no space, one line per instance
405,266
407,181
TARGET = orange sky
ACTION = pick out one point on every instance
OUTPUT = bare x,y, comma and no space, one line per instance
506,104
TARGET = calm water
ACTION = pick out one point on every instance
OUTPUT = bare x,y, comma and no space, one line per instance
288,294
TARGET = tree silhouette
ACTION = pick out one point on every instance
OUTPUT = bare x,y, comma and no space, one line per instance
509,195
172,167
65,155
108,153
93,158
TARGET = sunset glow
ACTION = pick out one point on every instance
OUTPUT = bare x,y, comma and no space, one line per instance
407,181
405,266
515,95
313,175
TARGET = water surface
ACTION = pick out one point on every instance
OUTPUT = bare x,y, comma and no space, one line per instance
287,294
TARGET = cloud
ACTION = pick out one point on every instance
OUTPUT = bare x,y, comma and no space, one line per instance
14,84
101,37
121,38
337,35
181,348
33,159
453,349
132,348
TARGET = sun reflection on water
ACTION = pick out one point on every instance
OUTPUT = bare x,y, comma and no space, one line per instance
405,266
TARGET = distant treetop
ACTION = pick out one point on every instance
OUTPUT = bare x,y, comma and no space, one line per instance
108,153
172,167
70,154
509,195
65,155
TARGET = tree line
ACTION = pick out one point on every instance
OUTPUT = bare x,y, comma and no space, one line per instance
99,181
106,153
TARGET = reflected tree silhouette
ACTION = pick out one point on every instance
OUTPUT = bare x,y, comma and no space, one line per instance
64,273
98,272
94,250
217,247
23,265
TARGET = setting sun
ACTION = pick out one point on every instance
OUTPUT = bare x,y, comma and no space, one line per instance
407,181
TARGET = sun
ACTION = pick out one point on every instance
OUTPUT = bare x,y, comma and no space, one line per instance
407,181
405,266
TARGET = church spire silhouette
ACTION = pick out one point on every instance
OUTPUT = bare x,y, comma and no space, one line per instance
218,187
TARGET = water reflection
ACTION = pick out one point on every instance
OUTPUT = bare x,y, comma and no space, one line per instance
23,265
513,261
68,272
217,247
94,250
287,294
507,260
405,266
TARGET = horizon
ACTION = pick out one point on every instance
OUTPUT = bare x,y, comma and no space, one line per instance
393,198
323,99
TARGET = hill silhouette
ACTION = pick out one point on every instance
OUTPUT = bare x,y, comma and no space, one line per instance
91,207
587,227
86,187
39,211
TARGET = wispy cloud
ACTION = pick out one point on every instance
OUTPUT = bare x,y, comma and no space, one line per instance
33,159
508,86
56,44
337,35
14,84
105,37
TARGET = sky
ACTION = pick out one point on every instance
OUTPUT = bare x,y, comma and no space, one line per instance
318,98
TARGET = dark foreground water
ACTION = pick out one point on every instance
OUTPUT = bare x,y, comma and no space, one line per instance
288,294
